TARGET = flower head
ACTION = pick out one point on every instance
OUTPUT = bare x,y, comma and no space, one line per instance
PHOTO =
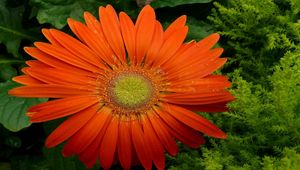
129,90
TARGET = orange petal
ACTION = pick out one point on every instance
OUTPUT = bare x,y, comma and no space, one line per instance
98,45
134,157
55,76
171,45
209,96
154,144
138,143
58,108
71,24
83,138
200,71
26,80
37,64
128,33
210,81
201,87
75,48
181,56
213,67
177,24
215,107
213,85
95,26
164,135
206,101
63,55
109,144
208,42
194,121
195,62
65,130
111,29
91,153
54,62
25,70
183,133
145,27
50,37
48,91
124,144
156,44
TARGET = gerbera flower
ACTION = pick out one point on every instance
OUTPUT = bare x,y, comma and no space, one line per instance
129,89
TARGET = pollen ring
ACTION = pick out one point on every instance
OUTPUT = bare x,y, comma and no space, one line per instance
131,92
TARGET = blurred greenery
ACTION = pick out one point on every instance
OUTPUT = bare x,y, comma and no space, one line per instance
261,40
11,28
12,109
56,12
259,32
172,3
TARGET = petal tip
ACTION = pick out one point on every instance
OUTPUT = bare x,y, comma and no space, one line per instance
86,13
11,92
216,36
148,9
183,18
223,136
44,31
15,80
70,20
27,49
48,144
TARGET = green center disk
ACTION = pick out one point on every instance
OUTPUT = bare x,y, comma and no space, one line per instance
131,90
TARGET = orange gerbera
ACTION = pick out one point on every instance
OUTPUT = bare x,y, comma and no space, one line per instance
128,89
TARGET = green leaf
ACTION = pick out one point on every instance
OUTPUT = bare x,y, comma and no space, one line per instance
7,72
198,29
13,109
10,61
295,4
56,12
11,30
55,160
51,159
31,161
172,3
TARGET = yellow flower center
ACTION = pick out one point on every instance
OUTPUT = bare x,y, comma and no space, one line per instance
131,90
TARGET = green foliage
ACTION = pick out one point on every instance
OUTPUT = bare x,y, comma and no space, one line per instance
52,159
259,31
13,109
7,71
290,160
11,29
295,5
56,12
263,125
55,160
173,3
198,29
261,39
186,160
264,121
